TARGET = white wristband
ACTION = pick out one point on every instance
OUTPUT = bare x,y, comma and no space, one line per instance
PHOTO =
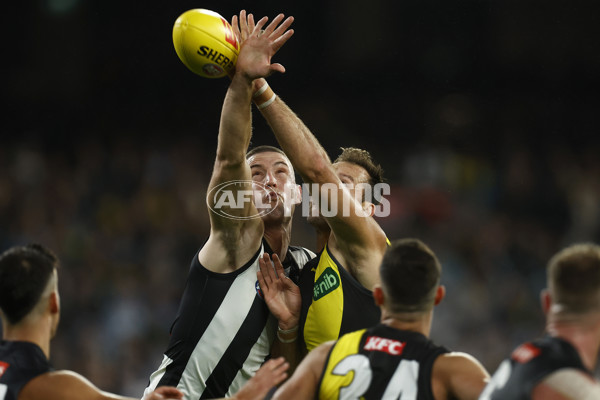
268,102
261,90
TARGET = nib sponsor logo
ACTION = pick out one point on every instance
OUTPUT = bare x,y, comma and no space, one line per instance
327,283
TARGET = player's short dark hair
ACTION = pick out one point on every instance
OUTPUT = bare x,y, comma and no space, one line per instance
264,149
574,278
363,159
410,274
24,274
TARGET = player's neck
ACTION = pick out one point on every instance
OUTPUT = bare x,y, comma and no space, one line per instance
322,237
278,237
413,322
38,332
583,335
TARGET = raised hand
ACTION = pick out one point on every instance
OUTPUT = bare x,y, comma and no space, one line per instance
271,374
280,293
258,45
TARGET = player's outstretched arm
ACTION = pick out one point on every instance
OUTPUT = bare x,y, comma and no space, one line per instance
358,235
458,375
234,237
68,385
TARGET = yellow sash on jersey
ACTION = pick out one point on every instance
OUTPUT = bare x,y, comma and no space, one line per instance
329,387
324,317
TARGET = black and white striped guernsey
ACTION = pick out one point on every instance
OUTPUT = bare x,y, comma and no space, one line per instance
223,330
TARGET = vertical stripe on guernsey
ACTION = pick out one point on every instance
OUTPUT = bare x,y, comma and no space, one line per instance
214,309
223,330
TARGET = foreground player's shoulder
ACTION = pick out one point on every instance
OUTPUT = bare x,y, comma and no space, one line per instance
60,385
458,374
567,384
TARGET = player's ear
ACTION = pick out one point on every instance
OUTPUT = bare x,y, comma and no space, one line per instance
545,300
378,295
54,303
369,208
440,293
297,194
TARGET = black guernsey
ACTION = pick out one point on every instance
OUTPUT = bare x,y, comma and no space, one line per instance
20,362
385,363
529,364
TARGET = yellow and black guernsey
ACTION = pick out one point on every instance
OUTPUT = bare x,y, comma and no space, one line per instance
333,302
379,363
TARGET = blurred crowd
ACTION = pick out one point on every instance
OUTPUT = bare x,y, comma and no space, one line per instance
126,219
484,115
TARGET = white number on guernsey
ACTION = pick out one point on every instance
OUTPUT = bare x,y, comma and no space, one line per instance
3,389
498,380
403,384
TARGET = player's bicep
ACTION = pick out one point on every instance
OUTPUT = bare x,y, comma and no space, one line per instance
229,197
63,385
464,375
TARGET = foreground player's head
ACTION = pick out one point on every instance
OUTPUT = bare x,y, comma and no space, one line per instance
410,278
574,281
274,182
29,286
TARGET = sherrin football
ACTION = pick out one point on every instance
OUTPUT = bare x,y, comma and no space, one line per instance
205,43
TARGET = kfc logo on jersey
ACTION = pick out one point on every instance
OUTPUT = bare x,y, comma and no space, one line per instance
525,352
376,343
3,367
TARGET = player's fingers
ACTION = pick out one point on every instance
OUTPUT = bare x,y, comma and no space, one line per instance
271,27
251,24
263,269
277,68
278,266
258,27
169,392
280,41
235,26
271,268
276,363
261,282
243,24
283,27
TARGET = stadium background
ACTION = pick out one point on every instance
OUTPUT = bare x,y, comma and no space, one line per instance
483,113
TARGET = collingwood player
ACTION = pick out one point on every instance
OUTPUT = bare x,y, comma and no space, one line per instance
223,331
394,359
559,365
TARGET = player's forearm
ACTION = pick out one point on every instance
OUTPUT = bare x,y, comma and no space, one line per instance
290,351
236,122
296,140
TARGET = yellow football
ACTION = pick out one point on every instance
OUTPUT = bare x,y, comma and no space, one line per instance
205,43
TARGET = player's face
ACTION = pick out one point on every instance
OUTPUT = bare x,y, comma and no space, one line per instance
272,170
350,175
